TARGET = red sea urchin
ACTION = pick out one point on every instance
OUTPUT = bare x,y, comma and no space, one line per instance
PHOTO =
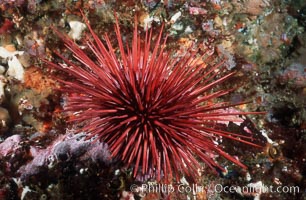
150,107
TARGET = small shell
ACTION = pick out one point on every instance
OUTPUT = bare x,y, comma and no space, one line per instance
76,29
15,69
175,17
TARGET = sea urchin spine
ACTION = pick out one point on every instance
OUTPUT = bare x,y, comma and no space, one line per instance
153,109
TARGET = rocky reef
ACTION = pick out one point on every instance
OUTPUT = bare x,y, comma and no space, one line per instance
43,156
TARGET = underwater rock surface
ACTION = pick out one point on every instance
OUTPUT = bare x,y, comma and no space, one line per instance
42,156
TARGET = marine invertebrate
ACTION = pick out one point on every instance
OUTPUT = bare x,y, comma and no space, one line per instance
6,26
153,109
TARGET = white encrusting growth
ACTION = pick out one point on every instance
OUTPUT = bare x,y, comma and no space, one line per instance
76,29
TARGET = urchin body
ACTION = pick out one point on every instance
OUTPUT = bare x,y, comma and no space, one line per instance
153,109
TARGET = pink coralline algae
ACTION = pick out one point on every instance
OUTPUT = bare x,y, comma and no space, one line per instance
9,145
66,148
197,11
87,163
